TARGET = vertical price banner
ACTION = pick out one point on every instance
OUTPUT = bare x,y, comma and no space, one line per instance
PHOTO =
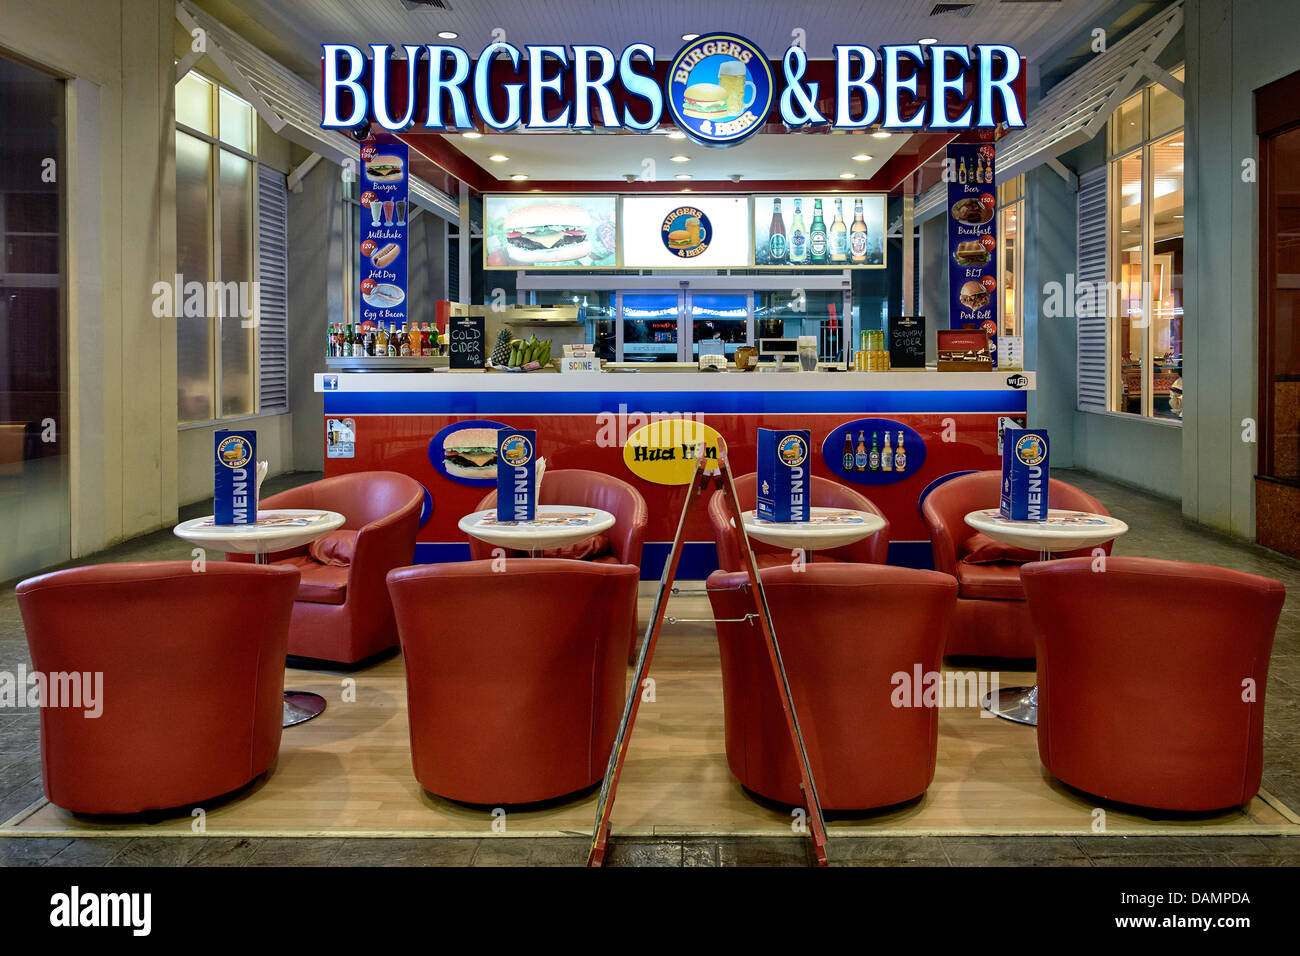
384,212
972,242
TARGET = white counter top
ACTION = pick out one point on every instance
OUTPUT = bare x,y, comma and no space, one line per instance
911,381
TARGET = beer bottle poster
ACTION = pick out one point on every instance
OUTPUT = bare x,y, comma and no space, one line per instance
972,246
385,211
828,231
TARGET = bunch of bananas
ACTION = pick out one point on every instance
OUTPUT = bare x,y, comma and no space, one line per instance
522,351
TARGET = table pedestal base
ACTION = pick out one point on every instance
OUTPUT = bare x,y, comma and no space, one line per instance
1017,704
301,706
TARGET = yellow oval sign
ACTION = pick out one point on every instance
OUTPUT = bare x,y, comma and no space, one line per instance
665,451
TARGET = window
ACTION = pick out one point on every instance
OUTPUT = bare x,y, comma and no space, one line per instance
1145,255
1011,252
217,324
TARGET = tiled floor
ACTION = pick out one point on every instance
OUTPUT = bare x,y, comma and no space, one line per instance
1157,530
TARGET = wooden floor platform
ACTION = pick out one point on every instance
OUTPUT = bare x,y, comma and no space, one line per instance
348,773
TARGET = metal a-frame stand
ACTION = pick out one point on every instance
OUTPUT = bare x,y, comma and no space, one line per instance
708,475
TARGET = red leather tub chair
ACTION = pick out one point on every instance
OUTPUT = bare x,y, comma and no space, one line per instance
991,619
193,678
825,494
343,612
844,631
621,544
516,687
1141,679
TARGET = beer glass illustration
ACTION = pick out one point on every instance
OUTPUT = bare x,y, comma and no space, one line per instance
740,91
376,210
693,230
388,212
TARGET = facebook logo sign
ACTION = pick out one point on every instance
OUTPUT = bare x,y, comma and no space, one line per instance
331,383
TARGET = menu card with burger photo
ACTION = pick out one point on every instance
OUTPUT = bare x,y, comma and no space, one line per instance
384,213
972,246
549,232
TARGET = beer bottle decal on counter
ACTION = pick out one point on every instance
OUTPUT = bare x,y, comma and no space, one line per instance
860,459
839,240
798,237
887,456
776,248
849,458
900,456
817,236
875,454
858,234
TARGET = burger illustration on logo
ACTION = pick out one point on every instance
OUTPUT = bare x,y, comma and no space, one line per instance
720,89
792,451
1031,450
235,451
547,232
686,232
516,451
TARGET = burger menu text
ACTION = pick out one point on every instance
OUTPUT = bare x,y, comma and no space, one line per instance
384,212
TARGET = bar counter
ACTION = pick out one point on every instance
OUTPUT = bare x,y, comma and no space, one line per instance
399,420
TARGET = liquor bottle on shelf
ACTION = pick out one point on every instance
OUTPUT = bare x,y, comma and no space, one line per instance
417,338
428,341
817,238
860,459
404,342
329,341
887,456
381,340
798,236
776,245
858,235
900,456
849,458
347,341
372,342
874,456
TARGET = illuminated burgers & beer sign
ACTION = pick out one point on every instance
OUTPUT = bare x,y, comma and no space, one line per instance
719,89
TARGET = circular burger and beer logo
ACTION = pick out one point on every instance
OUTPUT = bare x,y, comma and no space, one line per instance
792,451
516,451
1031,450
235,451
686,232
720,89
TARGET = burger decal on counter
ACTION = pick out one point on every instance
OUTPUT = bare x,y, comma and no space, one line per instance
466,452
549,232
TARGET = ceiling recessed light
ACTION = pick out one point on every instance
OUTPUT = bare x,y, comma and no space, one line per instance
498,157
472,134
862,158
882,134
519,177
686,189
688,37
679,158
676,134
927,41
848,175
683,175
447,35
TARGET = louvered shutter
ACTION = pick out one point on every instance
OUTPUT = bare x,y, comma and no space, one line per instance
273,291
1090,348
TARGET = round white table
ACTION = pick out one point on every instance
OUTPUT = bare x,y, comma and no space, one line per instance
277,530
827,528
1062,531
554,526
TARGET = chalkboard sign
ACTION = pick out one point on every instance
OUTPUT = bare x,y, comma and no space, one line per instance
465,342
906,341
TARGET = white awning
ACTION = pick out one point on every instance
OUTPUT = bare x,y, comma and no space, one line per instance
288,104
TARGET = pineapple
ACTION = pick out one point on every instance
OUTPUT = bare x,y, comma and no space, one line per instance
501,351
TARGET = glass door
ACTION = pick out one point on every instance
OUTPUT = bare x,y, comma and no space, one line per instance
34,502
650,326
720,315
802,312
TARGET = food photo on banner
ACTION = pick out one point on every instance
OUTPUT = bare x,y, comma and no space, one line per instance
384,215
550,232
972,248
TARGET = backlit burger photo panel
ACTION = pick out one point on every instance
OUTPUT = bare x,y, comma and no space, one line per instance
549,232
